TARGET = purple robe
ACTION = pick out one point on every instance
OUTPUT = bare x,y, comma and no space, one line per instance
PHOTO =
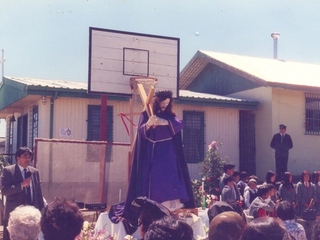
159,169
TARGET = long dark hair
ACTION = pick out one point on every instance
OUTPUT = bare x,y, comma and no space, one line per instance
315,176
305,172
286,180
269,175
158,98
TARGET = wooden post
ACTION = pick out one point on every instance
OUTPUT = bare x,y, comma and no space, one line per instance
103,137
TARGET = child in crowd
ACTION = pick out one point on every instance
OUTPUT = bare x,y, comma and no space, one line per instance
236,176
229,194
316,182
262,204
271,179
286,189
251,193
242,182
306,193
251,177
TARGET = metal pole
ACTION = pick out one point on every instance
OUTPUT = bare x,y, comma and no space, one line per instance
275,36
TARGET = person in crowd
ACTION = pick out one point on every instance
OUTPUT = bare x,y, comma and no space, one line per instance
236,176
169,228
217,208
273,193
61,220
285,211
229,194
228,170
24,223
262,205
226,225
251,193
281,143
242,182
287,191
316,182
159,169
306,193
20,184
265,228
251,177
271,179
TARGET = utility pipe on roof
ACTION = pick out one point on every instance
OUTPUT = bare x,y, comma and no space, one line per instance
275,36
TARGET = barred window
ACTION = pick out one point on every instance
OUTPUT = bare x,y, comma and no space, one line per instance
193,136
94,123
312,114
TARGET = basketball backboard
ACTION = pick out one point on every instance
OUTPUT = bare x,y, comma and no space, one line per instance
115,56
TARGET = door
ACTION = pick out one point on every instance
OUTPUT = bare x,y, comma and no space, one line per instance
247,142
22,135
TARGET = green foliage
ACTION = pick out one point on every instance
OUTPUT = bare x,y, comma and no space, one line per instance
211,168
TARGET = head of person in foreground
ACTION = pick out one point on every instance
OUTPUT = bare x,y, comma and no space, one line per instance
169,228
24,223
61,220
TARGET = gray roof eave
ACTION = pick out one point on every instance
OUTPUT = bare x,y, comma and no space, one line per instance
248,105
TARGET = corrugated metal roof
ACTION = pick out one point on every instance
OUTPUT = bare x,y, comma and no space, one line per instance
83,86
51,83
191,94
261,70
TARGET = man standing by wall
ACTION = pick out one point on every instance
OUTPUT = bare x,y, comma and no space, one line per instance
281,143
20,183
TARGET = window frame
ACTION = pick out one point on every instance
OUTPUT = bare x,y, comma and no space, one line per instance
93,123
312,114
194,136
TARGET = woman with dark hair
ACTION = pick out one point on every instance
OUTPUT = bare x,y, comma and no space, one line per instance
169,228
306,192
265,228
316,182
271,179
286,189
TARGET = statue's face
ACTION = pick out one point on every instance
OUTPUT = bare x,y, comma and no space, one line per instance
164,104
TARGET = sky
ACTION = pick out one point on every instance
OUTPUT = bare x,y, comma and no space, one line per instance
49,39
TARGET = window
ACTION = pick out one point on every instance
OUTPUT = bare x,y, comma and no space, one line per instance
193,136
35,115
312,114
94,123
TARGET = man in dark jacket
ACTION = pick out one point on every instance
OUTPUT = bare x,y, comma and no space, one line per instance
20,184
281,143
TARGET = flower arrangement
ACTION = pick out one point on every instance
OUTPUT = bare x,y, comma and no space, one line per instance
88,233
206,190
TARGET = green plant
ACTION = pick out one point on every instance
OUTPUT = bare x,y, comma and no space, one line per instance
211,168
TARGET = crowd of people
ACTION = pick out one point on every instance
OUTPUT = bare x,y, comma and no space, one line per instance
274,207
265,199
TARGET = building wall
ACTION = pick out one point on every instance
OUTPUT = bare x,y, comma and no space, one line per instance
263,117
221,125
288,107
